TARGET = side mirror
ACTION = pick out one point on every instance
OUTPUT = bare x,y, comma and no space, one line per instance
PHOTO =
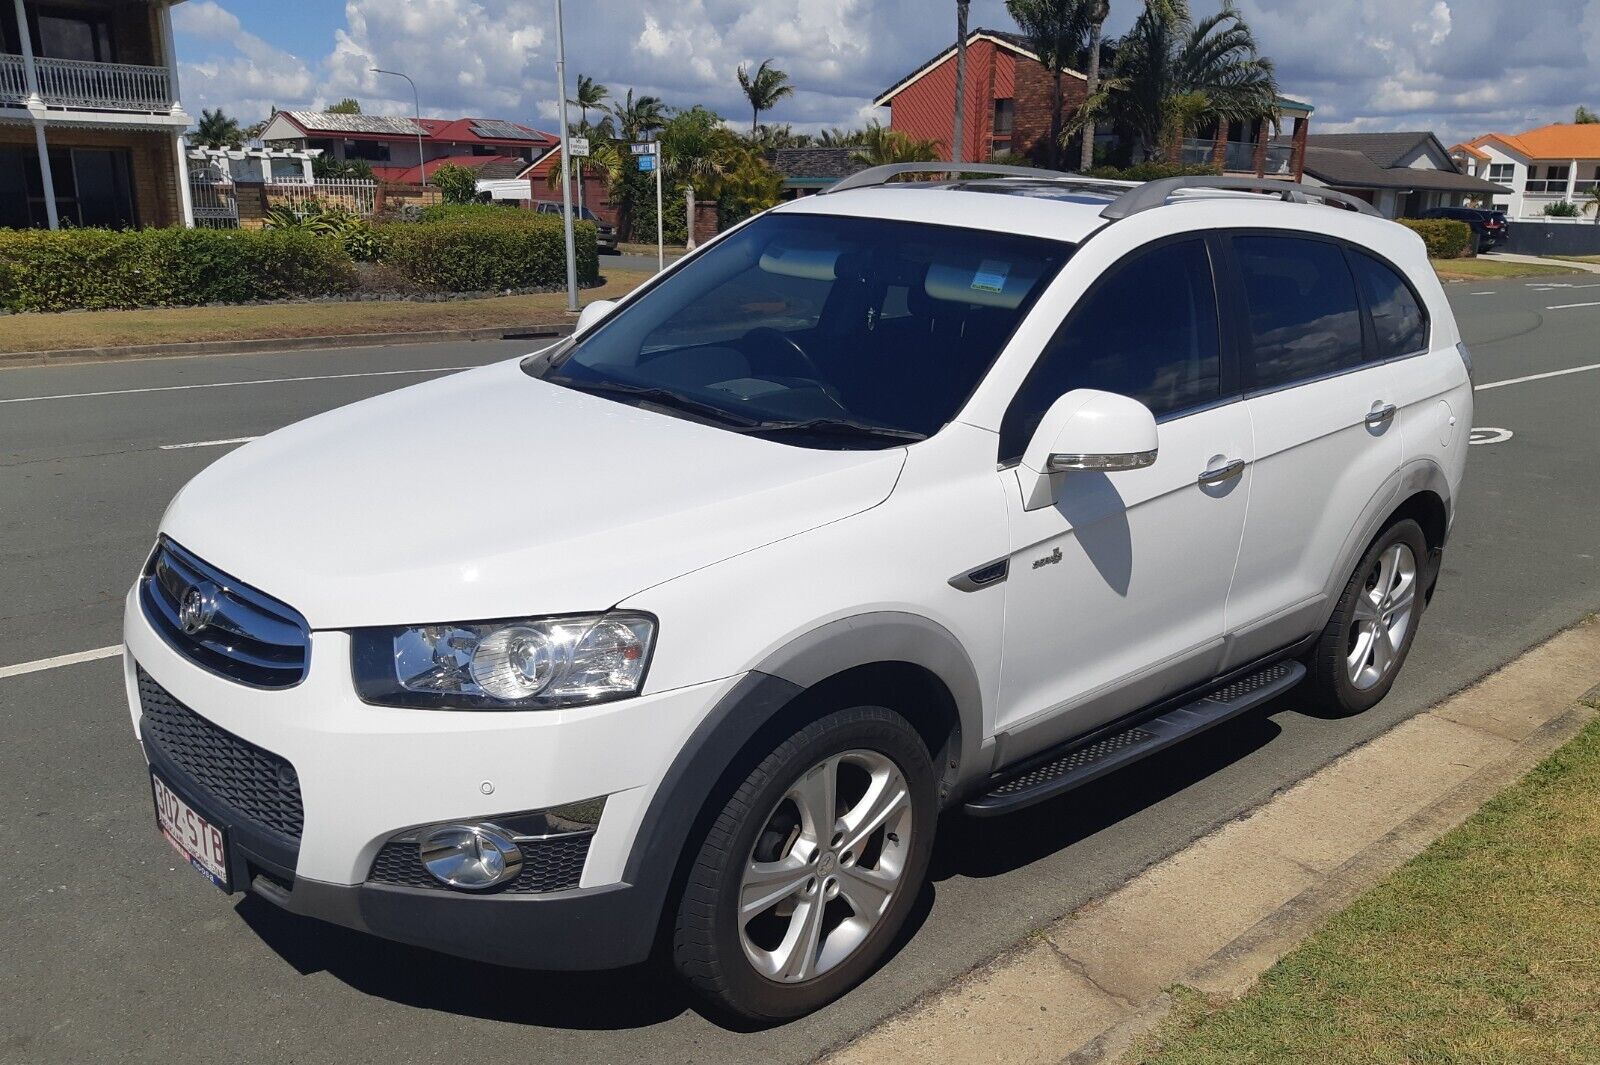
1087,430
592,315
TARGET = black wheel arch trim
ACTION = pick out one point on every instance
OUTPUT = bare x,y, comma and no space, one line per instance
1418,476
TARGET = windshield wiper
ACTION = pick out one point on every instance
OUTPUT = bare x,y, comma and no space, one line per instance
841,427
662,397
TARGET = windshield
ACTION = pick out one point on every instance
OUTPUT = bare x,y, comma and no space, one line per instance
820,330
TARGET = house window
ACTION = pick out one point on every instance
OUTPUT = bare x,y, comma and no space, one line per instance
1502,173
92,188
371,151
72,35
1558,173
1005,119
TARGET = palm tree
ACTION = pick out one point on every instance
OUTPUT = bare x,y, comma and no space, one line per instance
1098,12
638,118
591,94
958,133
1055,30
1176,73
839,138
763,89
881,146
217,130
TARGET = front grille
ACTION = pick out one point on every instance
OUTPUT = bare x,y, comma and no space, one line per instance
233,630
254,783
547,865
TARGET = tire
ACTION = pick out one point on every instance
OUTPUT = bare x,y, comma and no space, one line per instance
1365,643
764,847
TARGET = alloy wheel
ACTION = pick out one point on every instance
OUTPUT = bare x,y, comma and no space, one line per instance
1382,617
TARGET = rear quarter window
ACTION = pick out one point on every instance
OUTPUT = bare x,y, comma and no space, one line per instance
1304,316
1399,324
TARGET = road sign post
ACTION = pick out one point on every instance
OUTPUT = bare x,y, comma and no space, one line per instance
566,149
579,149
649,154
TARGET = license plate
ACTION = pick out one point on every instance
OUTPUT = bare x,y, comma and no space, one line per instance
197,840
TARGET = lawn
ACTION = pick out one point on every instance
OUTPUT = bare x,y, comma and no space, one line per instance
1483,949
93,329
1578,258
1488,270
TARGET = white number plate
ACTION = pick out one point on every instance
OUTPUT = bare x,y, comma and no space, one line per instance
192,836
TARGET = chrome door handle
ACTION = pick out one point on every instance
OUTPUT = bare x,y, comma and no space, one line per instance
1382,416
1222,474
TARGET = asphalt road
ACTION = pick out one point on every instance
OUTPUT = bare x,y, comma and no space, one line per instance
110,953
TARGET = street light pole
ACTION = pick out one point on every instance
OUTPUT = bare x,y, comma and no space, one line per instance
416,101
566,164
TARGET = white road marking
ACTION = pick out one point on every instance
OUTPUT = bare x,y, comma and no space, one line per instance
235,384
1570,306
59,661
209,443
1487,435
1537,377
1483,293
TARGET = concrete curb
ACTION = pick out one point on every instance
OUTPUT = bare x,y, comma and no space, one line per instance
1215,915
68,356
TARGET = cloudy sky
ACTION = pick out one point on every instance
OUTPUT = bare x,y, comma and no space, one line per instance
1458,67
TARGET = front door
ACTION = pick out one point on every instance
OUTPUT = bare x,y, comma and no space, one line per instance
1117,591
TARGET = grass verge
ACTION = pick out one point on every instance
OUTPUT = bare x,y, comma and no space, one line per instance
1578,258
1485,949
1487,270
174,325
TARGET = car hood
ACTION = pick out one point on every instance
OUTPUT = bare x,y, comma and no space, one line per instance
492,494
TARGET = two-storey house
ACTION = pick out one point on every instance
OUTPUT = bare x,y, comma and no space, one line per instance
1551,164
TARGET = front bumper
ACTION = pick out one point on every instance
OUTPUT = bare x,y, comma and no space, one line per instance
365,773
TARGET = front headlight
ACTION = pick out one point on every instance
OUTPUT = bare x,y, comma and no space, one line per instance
533,664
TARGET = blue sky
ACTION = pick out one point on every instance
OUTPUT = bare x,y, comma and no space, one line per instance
1458,67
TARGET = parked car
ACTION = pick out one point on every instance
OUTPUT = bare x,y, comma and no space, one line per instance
605,233
1489,228
888,502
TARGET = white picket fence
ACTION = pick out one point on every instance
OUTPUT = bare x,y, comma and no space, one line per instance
360,197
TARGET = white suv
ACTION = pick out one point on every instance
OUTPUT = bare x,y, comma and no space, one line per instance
906,497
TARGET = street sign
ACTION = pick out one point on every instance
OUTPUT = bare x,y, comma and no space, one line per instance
650,148
579,147
647,163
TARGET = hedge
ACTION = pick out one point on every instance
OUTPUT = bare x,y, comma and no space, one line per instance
99,269
484,251
1445,237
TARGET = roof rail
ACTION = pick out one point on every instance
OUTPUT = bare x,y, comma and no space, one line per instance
1153,194
880,175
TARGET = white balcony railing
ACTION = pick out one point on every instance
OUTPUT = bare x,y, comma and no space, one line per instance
1239,157
88,86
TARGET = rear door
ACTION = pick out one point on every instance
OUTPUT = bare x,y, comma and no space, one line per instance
1323,408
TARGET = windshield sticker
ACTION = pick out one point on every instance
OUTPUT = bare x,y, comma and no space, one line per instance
991,276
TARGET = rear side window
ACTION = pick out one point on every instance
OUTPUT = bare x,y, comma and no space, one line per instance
1148,331
1304,318
1399,325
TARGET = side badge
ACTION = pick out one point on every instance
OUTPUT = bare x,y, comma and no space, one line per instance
1049,560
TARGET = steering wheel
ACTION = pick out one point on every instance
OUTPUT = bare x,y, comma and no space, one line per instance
786,349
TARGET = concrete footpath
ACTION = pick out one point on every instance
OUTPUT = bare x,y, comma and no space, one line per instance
1217,914
1535,260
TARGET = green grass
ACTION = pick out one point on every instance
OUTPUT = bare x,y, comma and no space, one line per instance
1485,949
1485,269
1578,258
93,329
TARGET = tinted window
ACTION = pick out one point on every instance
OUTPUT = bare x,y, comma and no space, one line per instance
801,317
1149,331
1304,317
1397,319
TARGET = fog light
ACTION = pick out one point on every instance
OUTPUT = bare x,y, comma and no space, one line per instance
470,857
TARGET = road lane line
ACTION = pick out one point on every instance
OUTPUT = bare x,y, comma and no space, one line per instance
1483,293
1570,306
236,384
209,443
59,661
1537,377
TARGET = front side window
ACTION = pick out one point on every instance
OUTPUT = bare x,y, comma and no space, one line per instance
1398,323
820,330
1149,331
1304,318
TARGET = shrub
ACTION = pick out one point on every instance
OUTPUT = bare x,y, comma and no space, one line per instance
457,184
329,220
1562,209
464,212
1152,172
1445,237
488,252
98,269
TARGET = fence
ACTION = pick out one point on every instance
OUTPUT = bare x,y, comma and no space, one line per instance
94,86
359,197
1569,236
215,200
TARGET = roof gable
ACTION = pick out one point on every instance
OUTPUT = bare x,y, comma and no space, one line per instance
1011,42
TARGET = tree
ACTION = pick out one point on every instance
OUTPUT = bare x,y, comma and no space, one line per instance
1586,117
1099,11
347,106
638,118
881,146
958,134
763,89
1055,30
329,168
770,138
839,138
458,184
1175,73
591,94
217,130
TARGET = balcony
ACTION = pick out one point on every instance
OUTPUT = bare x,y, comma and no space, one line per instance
84,86
1239,157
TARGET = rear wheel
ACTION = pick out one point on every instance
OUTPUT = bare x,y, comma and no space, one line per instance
811,867
1366,641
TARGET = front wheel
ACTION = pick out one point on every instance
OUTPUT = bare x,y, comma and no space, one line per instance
1366,641
811,867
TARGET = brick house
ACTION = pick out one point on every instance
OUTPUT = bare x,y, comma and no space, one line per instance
91,128
493,147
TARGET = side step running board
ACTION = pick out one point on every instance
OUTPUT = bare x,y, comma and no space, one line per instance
1076,766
